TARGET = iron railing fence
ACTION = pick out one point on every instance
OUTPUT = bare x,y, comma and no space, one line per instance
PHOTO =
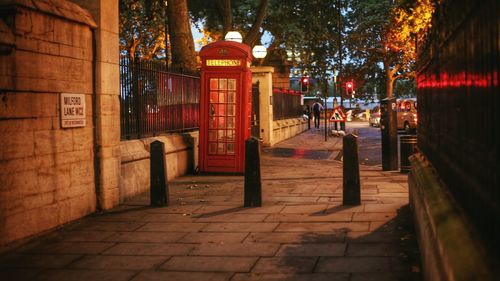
458,113
154,100
286,104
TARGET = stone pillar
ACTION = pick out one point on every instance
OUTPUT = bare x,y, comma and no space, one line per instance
263,75
107,100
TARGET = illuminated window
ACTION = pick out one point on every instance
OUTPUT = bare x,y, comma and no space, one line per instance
221,130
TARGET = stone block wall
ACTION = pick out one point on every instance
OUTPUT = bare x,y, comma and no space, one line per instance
287,128
271,131
46,172
135,162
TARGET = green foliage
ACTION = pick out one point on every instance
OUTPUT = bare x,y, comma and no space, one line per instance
383,32
369,80
405,88
309,31
142,28
368,22
212,17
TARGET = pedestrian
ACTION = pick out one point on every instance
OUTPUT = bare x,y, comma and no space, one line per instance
307,114
317,108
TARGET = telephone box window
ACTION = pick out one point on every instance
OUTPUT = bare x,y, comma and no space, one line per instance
222,104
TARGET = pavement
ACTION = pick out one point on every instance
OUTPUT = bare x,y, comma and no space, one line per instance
301,232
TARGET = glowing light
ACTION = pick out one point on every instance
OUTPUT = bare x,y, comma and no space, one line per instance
259,51
233,36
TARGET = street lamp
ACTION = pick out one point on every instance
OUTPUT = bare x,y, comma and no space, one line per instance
259,51
233,36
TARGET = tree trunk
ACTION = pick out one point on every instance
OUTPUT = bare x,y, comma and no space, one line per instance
389,86
253,34
226,16
389,81
181,38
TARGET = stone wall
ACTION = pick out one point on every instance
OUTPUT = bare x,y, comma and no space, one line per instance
180,151
450,246
287,128
46,172
273,132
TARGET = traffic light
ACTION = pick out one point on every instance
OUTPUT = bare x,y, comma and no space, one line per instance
304,84
349,88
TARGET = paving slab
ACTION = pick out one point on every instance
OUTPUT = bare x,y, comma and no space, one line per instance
373,249
291,277
312,250
285,264
181,276
374,216
83,236
145,237
150,249
241,227
119,262
231,217
323,226
85,275
24,274
37,260
214,237
296,237
72,248
304,209
94,225
210,264
315,217
236,249
301,232
353,264
172,227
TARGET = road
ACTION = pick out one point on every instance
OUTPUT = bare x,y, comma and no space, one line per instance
369,142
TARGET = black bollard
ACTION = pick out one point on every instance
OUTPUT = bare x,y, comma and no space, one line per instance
389,134
158,173
407,146
253,191
351,184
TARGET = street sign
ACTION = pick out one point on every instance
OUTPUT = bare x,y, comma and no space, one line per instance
338,115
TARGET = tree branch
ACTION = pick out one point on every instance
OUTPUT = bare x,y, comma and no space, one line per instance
226,15
253,33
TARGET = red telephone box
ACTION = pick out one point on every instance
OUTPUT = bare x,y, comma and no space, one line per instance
225,106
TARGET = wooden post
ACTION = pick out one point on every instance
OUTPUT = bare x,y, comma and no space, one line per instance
351,184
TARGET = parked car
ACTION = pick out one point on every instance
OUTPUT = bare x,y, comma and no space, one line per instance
362,116
407,115
375,117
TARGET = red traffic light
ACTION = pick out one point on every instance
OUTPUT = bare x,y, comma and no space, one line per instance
304,84
349,85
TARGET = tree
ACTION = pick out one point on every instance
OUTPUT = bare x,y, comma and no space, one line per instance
183,54
305,29
385,31
305,34
143,25
245,16
142,29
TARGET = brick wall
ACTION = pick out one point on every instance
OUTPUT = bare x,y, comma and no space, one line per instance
46,172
